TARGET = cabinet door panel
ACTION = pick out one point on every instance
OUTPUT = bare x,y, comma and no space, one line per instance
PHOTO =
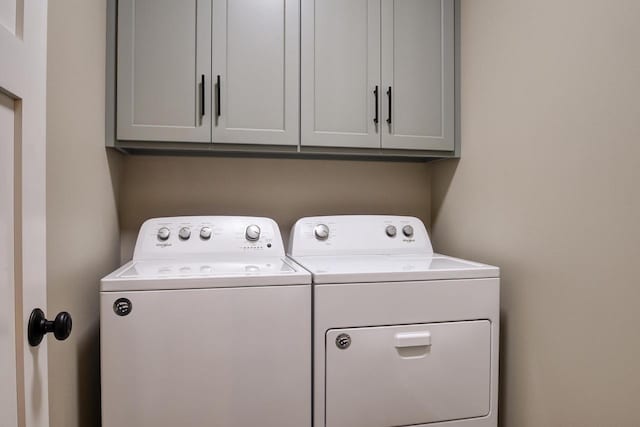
340,70
256,55
418,66
164,50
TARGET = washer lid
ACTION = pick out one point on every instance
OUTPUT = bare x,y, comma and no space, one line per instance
392,268
193,274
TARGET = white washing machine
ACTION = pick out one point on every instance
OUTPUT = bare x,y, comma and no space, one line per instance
208,325
402,336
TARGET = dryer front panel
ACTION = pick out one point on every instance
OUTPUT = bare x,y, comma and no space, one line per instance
407,375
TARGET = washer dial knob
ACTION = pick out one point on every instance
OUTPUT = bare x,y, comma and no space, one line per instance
164,233
391,230
252,233
407,230
205,233
184,233
321,232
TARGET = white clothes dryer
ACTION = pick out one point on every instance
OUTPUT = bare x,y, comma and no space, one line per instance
208,325
402,336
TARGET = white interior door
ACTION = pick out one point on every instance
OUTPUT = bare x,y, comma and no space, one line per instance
418,74
340,73
256,61
23,369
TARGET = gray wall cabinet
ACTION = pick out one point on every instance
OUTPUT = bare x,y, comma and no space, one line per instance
418,74
166,61
298,78
164,70
256,45
378,73
340,71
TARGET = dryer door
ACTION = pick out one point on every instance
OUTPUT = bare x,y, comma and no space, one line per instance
407,375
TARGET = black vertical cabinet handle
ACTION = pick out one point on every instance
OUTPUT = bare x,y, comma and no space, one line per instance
219,87
202,111
375,93
389,96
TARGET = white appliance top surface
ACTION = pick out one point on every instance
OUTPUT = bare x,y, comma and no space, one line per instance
392,268
374,248
194,274
206,252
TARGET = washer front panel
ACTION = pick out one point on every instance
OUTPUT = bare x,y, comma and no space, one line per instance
207,357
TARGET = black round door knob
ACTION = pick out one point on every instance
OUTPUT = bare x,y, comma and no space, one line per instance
39,326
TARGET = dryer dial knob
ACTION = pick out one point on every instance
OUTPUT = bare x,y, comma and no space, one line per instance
252,233
407,230
391,230
184,233
205,233
164,233
321,232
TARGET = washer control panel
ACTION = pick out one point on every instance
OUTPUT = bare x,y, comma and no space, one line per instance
203,235
321,231
163,234
184,233
252,233
391,230
359,234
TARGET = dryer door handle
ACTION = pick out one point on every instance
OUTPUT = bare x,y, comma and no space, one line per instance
413,339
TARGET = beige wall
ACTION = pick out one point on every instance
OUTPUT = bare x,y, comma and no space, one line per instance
283,189
82,227
83,192
548,189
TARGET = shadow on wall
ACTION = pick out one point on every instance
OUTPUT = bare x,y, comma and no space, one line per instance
442,181
283,189
74,278
114,163
446,170
89,377
503,396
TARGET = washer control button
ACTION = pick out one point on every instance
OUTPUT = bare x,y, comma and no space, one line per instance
391,230
321,232
252,233
164,233
205,233
407,230
184,233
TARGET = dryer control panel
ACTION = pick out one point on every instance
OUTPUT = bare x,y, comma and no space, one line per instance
359,234
193,236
